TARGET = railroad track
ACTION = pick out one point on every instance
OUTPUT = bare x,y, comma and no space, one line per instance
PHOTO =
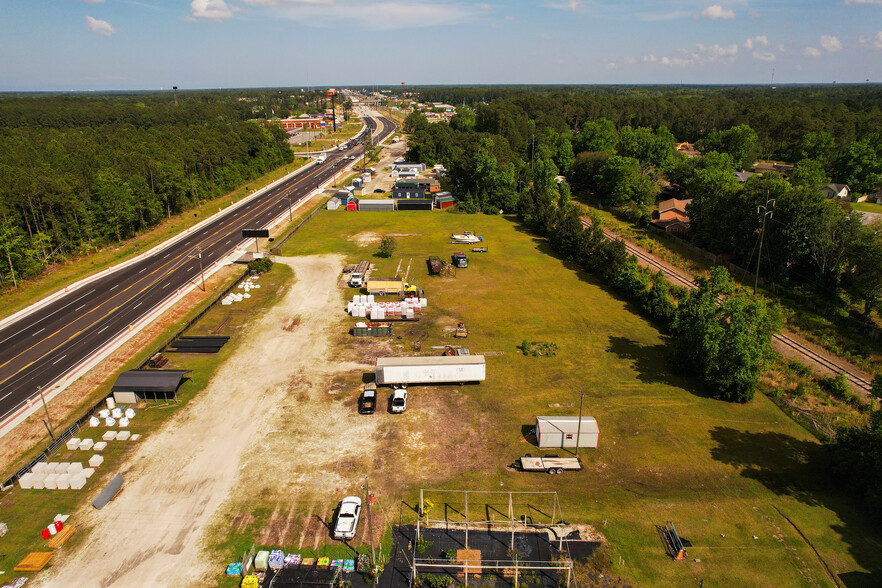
686,281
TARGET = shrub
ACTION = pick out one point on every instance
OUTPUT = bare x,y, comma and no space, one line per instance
387,247
422,544
261,265
837,387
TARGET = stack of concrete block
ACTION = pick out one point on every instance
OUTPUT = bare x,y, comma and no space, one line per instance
75,468
51,481
96,460
61,467
73,443
109,436
99,446
77,481
39,481
87,472
41,467
86,444
123,435
26,482
62,481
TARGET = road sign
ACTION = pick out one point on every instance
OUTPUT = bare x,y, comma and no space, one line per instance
254,233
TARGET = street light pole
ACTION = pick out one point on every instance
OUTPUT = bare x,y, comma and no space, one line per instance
579,426
46,408
767,210
290,217
201,273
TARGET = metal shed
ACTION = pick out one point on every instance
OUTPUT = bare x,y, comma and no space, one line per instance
333,203
561,431
382,205
150,384
415,204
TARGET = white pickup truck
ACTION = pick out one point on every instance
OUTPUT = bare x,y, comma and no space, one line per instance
356,280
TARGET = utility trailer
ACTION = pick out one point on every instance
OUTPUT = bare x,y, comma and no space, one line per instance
550,463
399,372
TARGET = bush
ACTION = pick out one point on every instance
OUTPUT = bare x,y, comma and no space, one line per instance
837,387
422,544
387,247
261,266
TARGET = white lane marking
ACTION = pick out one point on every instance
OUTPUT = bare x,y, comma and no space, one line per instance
102,330
166,255
80,307
142,270
59,359
47,316
137,305
166,285
115,286
38,332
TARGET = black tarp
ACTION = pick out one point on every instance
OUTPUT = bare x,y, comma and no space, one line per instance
150,384
208,344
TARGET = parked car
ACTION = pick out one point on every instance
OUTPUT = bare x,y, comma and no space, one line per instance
367,402
399,400
379,191
347,518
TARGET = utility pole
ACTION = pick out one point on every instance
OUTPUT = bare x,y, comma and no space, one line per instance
175,88
290,217
767,210
48,418
369,499
579,427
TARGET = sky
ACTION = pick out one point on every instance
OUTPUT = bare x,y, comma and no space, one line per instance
52,45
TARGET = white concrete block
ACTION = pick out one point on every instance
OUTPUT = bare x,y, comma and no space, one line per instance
75,468
41,467
123,435
77,482
88,472
86,444
61,467
39,483
99,446
26,482
96,460
135,437
109,436
51,481
73,443
63,481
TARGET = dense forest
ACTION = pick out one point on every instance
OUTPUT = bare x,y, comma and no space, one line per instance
79,172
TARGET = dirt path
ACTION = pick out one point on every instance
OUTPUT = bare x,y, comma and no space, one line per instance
150,535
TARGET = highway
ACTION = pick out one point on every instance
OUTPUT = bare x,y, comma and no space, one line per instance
42,347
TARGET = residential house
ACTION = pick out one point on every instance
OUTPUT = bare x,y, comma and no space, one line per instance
838,191
671,216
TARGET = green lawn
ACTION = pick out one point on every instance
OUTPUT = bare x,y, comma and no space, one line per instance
867,206
722,473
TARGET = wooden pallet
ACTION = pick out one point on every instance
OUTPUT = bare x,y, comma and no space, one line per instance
61,537
34,561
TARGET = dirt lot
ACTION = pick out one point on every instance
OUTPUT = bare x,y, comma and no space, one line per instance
150,534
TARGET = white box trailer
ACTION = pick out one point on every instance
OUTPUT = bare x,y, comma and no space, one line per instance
561,431
402,371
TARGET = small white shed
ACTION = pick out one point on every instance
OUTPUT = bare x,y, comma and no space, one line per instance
561,431
333,203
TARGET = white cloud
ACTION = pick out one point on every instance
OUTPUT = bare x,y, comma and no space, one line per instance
716,11
509,17
630,60
571,5
703,54
763,55
753,13
812,52
875,41
211,9
856,2
650,58
99,27
663,16
782,47
798,67
831,43
757,41
92,1
610,65
383,15
546,37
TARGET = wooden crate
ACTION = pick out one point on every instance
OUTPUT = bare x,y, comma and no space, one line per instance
34,561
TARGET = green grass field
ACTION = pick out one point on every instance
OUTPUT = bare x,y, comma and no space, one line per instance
722,473
867,206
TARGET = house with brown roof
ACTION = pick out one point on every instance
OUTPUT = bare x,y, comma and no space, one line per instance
671,216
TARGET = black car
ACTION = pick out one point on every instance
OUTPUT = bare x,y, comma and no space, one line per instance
367,402
379,191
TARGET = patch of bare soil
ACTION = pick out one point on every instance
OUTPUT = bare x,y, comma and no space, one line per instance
72,401
368,238
150,535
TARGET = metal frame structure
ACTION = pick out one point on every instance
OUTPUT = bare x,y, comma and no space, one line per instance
507,522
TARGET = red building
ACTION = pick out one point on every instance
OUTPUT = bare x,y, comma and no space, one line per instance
296,124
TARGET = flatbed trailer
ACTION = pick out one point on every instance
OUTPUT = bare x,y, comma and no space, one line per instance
550,463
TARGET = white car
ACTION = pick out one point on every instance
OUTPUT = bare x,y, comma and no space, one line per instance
399,400
347,518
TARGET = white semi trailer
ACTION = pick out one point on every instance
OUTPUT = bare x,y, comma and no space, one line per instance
399,372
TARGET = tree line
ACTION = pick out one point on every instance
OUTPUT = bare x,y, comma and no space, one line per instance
81,174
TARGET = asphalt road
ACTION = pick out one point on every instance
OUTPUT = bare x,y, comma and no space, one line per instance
39,349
